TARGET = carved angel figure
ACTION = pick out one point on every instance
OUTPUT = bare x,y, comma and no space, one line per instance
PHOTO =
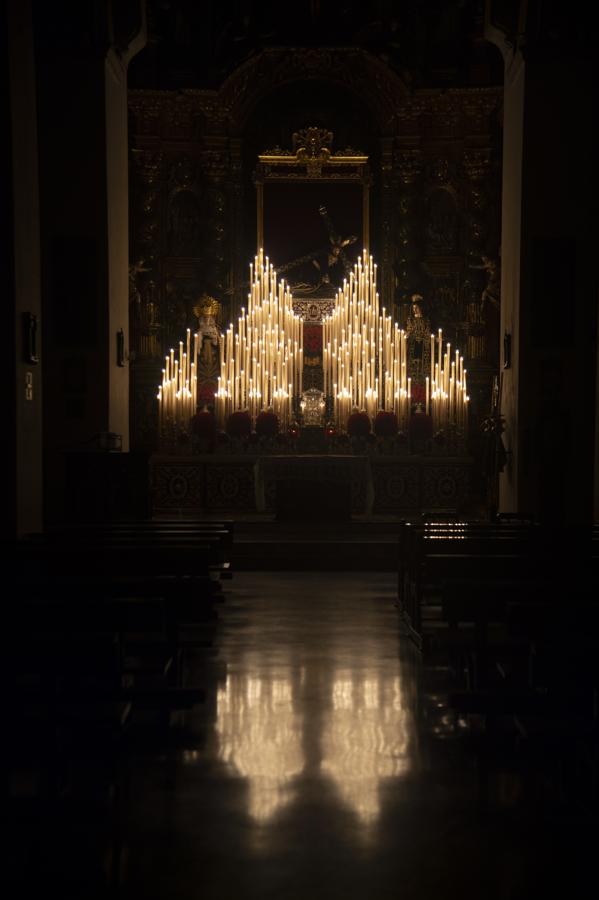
491,291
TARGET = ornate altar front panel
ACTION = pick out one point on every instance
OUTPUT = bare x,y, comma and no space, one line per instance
353,471
245,483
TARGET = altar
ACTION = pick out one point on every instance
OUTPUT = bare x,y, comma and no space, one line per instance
245,483
310,486
325,407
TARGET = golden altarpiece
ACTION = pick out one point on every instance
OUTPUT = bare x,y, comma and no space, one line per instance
313,216
429,212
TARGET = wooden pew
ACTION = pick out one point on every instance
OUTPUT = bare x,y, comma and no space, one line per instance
508,618
158,569
92,643
433,553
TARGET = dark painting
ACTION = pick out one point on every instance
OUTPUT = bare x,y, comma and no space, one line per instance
313,232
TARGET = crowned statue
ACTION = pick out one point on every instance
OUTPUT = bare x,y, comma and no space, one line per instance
207,311
418,331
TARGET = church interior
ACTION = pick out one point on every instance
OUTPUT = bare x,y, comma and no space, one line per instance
300,543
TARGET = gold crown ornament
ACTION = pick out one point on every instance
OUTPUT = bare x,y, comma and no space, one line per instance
206,306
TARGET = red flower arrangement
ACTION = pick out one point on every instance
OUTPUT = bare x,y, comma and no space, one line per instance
358,424
239,425
385,424
267,424
203,425
421,427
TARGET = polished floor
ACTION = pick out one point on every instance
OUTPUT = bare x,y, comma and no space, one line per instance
325,764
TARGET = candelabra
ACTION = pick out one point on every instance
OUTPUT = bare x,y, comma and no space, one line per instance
446,388
177,393
365,360
262,359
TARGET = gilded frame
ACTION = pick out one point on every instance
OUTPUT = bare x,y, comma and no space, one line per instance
312,160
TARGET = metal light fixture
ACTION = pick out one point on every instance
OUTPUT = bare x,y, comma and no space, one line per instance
120,347
507,350
30,351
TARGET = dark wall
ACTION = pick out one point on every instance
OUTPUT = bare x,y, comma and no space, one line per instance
559,291
8,494
22,322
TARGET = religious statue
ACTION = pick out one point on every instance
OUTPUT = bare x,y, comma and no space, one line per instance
415,308
206,312
144,300
337,246
331,261
491,291
418,336
149,325
135,270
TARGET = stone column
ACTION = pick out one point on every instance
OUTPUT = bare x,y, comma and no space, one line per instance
407,265
238,265
511,237
82,117
117,245
22,322
387,280
548,277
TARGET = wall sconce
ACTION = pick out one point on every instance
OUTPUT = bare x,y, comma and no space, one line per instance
507,350
30,352
120,347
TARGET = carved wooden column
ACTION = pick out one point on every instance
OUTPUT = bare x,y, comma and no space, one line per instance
146,302
483,339
215,172
388,192
407,271
237,263
549,268
82,119
442,209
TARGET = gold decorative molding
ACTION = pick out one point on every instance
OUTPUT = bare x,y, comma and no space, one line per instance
313,311
366,76
148,164
409,165
468,105
312,153
312,159
206,306
477,163
379,87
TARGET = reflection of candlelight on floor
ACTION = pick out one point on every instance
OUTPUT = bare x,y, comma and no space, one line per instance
365,738
261,737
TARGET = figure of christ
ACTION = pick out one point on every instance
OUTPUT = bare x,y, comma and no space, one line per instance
327,261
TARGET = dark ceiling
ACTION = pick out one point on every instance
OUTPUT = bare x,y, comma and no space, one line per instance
427,42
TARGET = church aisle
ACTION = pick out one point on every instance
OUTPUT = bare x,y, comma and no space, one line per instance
311,772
